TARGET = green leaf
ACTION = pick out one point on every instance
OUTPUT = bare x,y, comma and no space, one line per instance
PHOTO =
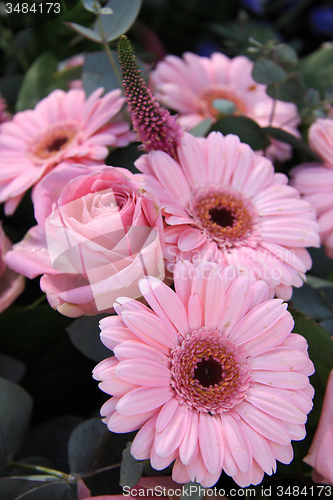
38,82
309,300
85,335
268,72
91,5
21,488
85,444
247,130
15,413
289,91
282,135
317,69
11,368
286,54
224,106
124,14
311,98
93,35
131,469
202,129
10,86
49,439
192,490
97,72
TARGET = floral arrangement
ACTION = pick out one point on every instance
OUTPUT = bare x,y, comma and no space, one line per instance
166,246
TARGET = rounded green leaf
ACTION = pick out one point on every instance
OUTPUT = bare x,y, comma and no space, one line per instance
286,54
247,130
268,72
85,335
11,368
131,469
124,14
15,413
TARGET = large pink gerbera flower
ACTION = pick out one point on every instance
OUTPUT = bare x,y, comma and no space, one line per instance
63,126
190,86
224,203
212,376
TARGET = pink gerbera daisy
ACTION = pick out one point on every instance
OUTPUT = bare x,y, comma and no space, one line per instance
63,126
315,181
224,203
191,85
211,375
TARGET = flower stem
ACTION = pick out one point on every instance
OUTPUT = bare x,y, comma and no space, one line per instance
108,52
276,91
45,470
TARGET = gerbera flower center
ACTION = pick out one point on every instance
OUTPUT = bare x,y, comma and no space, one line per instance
208,96
226,217
55,139
209,372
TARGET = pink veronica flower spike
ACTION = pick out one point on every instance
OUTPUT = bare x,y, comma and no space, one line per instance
224,203
63,126
211,376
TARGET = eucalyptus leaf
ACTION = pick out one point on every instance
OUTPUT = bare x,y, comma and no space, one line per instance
310,301
10,86
311,97
289,91
124,14
282,135
91,34
22,489
192,490
317,69
97,72
15,413
38,82
268,72
247,130
85,444
202,129
131,469
85,335
11,368
91,5
286,54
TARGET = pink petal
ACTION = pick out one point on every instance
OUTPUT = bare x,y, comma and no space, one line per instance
143,399
168,440
127,423
190,239
166,414
189,446
132,349
237,441
211,443
144,372
144,440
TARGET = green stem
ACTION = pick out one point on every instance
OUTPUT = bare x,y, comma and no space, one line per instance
276,91
108,52
44,470
103,469
36,303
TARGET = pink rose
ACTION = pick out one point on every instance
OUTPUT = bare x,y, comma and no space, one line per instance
320,453
11,283
98,233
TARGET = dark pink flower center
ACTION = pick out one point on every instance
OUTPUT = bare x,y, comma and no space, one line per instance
226,217
209,372
55,139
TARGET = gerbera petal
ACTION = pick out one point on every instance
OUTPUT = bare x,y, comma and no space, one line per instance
168,440
189,446
143,399
143,372
237,302
195,312
144,440
269,427
127,423
211,443
166,414
237,441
